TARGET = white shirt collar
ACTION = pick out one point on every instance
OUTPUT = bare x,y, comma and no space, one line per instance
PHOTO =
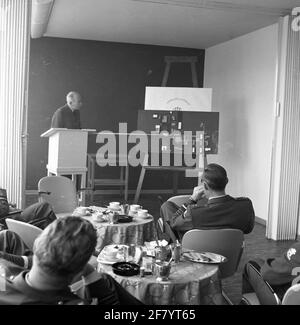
216,197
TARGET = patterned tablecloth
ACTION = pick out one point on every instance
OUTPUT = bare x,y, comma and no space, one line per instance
189,284
136,232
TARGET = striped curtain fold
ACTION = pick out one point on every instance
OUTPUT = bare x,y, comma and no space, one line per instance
14,63
285,185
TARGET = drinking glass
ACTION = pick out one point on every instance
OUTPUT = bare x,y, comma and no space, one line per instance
162,253
129,253
113,217
126,208
176,252
162,270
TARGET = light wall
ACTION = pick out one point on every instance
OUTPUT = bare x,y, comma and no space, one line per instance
242,73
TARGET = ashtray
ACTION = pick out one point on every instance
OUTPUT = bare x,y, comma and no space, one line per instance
126,268
124,218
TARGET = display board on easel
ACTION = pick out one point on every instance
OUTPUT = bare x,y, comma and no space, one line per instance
180,111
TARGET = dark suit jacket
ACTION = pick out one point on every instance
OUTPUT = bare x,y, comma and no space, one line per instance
224,212
64,117
218,213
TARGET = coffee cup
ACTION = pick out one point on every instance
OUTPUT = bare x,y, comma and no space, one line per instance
135,207
82,211
113,217
142,213
114,205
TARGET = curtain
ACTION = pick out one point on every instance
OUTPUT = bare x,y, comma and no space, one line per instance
14,62
285,178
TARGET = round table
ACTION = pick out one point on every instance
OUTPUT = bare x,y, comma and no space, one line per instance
136,232
189,284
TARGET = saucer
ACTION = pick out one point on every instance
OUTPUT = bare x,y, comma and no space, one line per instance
143,217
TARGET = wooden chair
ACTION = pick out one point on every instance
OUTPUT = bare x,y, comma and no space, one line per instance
179,199
262,293
292,295
60,193
26,231
226,242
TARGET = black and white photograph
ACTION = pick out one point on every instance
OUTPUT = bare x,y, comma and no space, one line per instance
150,155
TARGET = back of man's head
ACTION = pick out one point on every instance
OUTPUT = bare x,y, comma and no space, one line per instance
215,177
65,246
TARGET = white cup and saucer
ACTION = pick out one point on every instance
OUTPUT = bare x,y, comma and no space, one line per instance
81,212
134,208
142,213
114,206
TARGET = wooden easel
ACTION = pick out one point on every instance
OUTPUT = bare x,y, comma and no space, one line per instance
193,172
192,60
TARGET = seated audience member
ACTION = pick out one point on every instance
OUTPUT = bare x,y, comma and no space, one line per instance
39,214
209,207
60,257
14,250
278,272
4,206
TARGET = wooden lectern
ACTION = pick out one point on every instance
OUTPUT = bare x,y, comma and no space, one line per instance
67,153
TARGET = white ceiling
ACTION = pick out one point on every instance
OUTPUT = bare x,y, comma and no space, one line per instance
183,23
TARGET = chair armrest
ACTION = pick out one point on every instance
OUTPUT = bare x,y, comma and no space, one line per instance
44,192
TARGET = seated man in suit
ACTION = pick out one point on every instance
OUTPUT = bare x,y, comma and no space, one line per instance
279,272
209,207
39,214
60,257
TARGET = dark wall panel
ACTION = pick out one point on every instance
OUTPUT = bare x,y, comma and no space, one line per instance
111,78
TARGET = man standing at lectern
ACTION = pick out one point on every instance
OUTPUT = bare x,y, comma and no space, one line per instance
68,116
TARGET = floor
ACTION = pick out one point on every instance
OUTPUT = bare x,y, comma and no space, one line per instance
256,243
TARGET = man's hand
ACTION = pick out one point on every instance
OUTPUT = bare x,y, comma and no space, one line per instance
198,193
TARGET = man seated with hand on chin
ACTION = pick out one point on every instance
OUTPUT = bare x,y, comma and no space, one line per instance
60,259
209,207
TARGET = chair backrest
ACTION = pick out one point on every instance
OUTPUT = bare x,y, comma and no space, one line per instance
26,231
263,291
226,242
292,295
179,199
59,192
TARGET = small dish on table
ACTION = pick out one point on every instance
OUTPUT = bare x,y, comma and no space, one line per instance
126,268
204,257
